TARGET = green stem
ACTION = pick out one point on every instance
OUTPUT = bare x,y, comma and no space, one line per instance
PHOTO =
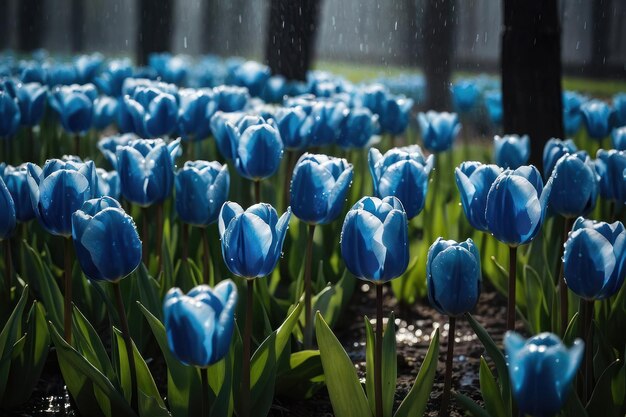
510,314
588,325
445,400
378,352
184,241
8,264
567,225
159,234
145,236
121,312
206,406
77,144
308,325
291,161
257,191
67,295
206,256
245,365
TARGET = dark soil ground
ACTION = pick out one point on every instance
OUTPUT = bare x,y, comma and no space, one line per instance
413,330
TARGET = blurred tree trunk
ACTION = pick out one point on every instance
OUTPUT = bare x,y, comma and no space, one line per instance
4,25
439,24
413,33
601,13
30,25
77,22
290,43
531,72
156,21
210,13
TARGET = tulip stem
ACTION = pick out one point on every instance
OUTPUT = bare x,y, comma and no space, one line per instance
245,366
8,265
77,144
510,314
206,407
67,296
257,191
185,241
445,398
588,329
121,312
159,234
286,186
378,352
206,256
145,237
308,325
567,225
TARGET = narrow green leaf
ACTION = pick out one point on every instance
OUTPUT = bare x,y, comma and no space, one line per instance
8,338
601,402
469,405
414,404
345,391
491,393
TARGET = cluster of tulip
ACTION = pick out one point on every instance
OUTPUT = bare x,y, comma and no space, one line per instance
224,356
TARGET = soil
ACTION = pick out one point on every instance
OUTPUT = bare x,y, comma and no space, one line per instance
413,329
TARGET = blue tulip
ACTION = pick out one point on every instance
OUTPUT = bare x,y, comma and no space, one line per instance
323,124
594,259
318,187
108,146
231,98
596,115
111,80
402,173
153,112
200,325
465,94
493,103
618,138
289,120
9,114
541,370
61,74
252,240
511,151
74,106
553,150
33,72
106,240
610,166
453,276
146,170
171,68
275,89
221,133
438,130
58,190
201,190
16,180
87,66
393,111
374,239
474,181
7,212
109,183
357,128
619,109
104,112
516,205
196,109
255,147
575,185
31,99
572,116
251,75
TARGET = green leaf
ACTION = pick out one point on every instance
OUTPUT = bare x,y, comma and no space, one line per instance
469,405
150,401
9,337
87,342
183,382
303,377
47,289
496,356
414,404
389,366
83,379
333,298
601,402
26,368
149,292
491,393
345,391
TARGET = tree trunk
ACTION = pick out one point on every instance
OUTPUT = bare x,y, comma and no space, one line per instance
77,21
413,33
30,25
531,72
439,24
601,13
291,38
155,28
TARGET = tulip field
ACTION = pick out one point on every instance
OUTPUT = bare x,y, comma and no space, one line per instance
199,237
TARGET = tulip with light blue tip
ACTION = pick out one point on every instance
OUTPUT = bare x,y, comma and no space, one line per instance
439,130
31,98
541,370
16,180
10,115
596,115
511,151
553,150
610,165
575,186
618,138
474,180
